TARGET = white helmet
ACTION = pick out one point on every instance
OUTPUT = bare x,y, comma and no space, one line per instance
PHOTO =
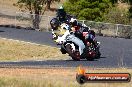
61,7
73,19
73,22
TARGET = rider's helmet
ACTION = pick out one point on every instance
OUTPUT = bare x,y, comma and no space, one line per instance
61,14
73,22
54,23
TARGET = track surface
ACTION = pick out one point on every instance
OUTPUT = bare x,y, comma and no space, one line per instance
116,52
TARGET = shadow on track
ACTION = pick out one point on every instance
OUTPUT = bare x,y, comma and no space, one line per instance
81,60
102,57
2,31
53,63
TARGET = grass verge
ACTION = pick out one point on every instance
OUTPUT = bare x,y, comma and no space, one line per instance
53,77
14,50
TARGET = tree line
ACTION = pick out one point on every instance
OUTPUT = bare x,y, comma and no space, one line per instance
93,10
99,10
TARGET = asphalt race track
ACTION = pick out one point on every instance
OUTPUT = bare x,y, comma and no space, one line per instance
116,52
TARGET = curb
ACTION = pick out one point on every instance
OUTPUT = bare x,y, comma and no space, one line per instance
17,27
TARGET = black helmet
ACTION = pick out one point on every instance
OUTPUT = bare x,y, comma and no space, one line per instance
54,23
61,14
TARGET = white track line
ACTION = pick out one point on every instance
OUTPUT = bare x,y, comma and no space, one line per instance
22,41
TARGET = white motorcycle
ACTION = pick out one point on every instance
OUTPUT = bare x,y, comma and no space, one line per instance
74,46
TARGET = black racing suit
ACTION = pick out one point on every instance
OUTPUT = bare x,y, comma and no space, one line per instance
90,37
62,16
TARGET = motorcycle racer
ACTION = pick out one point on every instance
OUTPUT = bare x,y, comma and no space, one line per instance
86,35
64,33
56,28
83,32
62,16
68,36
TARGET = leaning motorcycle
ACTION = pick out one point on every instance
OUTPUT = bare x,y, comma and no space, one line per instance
91,50
75,47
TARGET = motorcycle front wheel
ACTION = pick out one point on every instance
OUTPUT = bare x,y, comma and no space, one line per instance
63,51
74,54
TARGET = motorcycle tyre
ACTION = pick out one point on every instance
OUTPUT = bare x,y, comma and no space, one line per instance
69,51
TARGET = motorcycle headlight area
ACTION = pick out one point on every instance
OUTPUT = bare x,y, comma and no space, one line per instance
65,26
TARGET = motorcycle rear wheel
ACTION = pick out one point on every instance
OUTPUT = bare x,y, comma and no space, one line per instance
89,57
